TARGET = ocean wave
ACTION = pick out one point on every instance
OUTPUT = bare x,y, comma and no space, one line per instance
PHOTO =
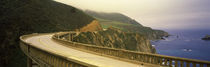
188,50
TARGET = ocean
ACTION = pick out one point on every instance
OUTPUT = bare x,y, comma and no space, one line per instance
185,43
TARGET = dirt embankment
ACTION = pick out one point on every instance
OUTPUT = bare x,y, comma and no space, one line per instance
93,26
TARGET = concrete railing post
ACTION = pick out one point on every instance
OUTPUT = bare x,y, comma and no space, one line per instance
29,62
176,63
188,64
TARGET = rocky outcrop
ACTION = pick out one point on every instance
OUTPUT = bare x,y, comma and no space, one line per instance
207,37
115,38
156,35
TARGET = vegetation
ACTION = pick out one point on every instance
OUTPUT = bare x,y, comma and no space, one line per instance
112,16
115,38
126,24
19,17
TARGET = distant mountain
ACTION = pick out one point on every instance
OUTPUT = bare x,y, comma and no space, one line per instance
126,24
19,17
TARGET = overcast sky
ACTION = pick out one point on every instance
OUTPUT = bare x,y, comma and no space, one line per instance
159,14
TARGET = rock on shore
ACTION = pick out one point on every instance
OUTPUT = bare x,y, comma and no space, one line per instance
207,37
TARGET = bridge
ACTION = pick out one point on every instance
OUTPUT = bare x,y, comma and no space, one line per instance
58,50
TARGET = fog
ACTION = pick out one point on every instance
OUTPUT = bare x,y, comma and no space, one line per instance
158,14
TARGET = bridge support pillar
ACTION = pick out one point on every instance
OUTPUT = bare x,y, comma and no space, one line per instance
29,62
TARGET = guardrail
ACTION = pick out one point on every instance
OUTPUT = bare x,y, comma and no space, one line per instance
157,59
48,59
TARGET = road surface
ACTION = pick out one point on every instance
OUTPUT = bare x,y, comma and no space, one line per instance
46,43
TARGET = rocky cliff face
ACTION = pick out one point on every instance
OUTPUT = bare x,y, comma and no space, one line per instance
115,38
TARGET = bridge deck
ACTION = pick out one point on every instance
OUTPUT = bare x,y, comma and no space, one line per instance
46,43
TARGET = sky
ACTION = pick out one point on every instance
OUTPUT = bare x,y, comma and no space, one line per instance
158,14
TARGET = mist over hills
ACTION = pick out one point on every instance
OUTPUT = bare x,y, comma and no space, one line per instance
126,24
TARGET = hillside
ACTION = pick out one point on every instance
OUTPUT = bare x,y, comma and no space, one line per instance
115,38
126,24
112,16
19,17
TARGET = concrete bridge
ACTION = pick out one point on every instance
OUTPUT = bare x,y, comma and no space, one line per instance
57,50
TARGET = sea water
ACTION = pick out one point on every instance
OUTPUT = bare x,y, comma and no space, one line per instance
185,43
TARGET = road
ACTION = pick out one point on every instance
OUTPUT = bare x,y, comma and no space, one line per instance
46,43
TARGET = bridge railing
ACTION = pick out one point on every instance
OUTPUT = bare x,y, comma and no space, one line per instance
45,58
133,55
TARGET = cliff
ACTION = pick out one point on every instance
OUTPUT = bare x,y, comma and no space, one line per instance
114,38
20,17
126,24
